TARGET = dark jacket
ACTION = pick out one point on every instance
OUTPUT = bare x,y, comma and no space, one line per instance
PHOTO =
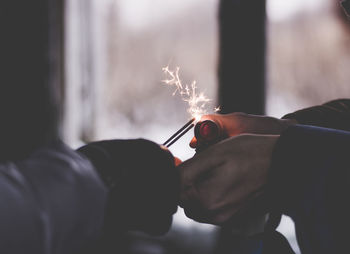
51,202
311,183
310,178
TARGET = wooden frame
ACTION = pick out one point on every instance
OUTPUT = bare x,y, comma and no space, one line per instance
242,56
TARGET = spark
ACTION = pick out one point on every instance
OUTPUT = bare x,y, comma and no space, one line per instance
197,102
217,109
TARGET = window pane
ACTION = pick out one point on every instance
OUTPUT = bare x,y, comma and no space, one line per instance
308,54
141,37
116,50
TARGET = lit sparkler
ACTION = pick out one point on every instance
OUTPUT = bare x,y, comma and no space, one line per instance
196,102
183,130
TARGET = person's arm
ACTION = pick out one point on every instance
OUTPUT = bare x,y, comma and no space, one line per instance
310,181
51,202
346,6
334,114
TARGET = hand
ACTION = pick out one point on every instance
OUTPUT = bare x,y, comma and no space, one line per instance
177,160
239,123
142,183
226,178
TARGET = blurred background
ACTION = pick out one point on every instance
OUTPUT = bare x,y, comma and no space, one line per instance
274,59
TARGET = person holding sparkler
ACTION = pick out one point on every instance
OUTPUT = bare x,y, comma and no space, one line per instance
298,166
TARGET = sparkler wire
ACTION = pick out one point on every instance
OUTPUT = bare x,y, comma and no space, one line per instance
179,131
183,133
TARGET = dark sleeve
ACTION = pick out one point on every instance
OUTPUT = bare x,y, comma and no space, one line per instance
346,6
334,114
51,202
310,182
143,182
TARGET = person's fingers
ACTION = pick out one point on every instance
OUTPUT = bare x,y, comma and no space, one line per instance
238,213
203,213
218,119
193,143
196,212
230,211
200,163
238,123
177,161
228,124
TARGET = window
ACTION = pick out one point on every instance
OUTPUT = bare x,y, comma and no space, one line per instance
115,52
308,54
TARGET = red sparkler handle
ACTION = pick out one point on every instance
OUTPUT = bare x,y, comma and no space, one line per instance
207,133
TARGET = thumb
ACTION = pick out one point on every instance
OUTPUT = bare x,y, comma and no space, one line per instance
193,143
177,161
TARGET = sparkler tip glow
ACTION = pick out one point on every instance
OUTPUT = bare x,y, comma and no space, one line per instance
196,102
217,109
